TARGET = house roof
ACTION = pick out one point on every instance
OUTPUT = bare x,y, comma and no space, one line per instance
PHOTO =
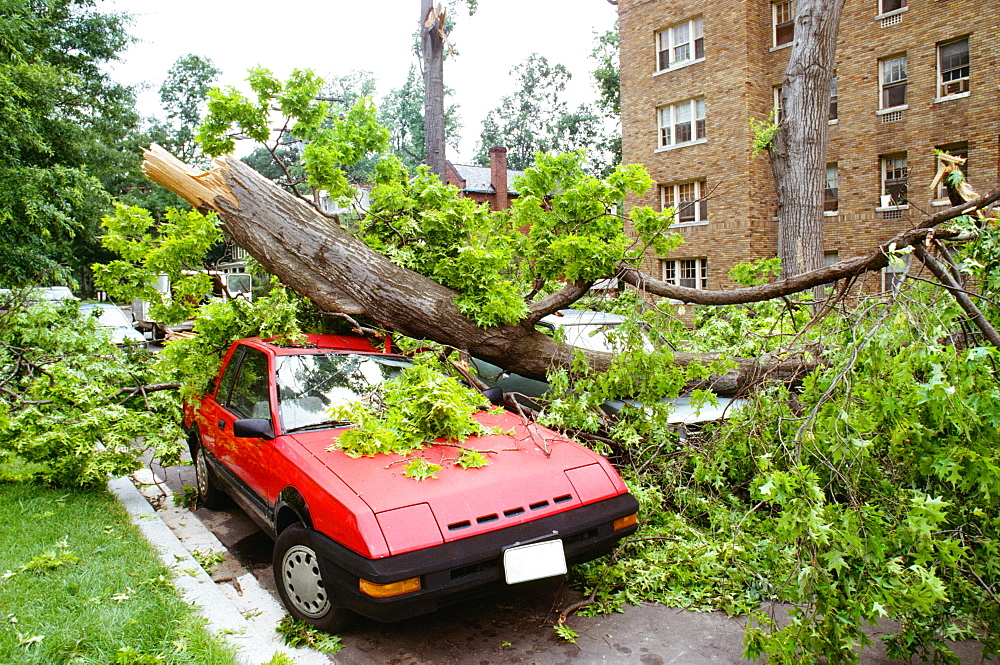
478,178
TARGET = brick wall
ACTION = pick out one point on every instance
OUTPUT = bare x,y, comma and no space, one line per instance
737,79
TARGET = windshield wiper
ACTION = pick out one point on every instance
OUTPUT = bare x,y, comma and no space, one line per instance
320,425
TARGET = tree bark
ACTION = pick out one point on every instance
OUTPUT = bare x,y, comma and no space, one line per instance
798,152
432,50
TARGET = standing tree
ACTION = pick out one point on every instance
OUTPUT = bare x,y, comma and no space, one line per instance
434,27
798,149
402,113
66,132
183,95
536,118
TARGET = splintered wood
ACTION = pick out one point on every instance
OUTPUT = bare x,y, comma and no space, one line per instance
199,188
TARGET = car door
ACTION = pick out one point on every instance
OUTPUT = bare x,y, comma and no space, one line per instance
247,458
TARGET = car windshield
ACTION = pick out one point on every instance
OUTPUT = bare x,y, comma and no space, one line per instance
309,384
587,336
109,317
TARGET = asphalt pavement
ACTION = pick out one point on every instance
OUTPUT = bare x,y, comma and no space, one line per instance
239,599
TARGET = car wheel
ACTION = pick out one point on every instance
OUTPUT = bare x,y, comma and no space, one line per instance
209,495
300,582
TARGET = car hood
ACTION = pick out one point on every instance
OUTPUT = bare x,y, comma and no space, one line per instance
533,472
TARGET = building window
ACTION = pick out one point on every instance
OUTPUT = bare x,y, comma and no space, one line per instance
833,99
831,195
682,123
779,105
953,67
783,20
955,150
893,275
894,180
687,200
893,82
680,44
692,273
886,6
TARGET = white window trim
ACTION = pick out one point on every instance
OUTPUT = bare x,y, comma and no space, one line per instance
902,206
699,187
891,109
894,12
881,83
680,145
831,213
701,267
694,124
881,165
683,63
774,24
959,95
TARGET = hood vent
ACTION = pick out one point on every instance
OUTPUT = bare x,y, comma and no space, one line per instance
512,512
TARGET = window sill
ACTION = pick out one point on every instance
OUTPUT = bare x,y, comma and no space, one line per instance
778,48
831,213
680,225
680,145
892,109
894,12
905,206
940,203
948,98
835,121
674,68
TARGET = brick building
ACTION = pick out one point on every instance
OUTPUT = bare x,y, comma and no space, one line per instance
910,77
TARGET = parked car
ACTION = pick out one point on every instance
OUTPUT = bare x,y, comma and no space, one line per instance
355,534
589,329
111,317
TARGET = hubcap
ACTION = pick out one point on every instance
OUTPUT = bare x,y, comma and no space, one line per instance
303,582
201,473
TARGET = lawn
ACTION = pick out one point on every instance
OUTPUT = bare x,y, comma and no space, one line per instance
79,584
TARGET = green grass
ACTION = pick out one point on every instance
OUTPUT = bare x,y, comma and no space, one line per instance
79,585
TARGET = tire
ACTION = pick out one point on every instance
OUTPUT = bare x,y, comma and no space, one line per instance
300,582
209,494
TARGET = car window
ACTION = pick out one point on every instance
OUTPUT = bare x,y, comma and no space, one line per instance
250,392
309,384
226,383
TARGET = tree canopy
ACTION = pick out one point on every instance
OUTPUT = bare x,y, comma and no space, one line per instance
66,128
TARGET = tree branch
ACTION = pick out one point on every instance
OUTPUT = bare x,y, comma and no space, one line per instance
876,260
562,298
960,297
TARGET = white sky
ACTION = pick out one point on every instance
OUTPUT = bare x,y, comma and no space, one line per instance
335,38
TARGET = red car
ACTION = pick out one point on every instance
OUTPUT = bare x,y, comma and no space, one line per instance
355,534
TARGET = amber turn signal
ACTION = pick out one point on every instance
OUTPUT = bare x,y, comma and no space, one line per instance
626,522
389,590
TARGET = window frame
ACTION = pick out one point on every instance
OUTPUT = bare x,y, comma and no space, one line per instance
671,271
670,196
882,11
779,26
962,81
891,160
696,40
697,124
884,87
834,114
831,195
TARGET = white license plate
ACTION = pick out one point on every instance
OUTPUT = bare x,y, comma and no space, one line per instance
534,561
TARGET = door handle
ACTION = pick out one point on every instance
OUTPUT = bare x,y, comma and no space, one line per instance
222,425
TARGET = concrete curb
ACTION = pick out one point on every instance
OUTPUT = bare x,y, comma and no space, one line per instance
224,618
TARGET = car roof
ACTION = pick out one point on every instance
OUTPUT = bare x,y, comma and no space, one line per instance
582,317
317,344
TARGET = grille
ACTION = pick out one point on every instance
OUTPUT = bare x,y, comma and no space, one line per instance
892,117
895,19
892,214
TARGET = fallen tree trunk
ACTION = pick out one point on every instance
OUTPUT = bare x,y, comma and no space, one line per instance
314,256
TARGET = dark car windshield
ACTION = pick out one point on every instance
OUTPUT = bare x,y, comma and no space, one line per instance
309,384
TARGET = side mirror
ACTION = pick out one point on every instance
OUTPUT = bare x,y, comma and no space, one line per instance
253,428
494,395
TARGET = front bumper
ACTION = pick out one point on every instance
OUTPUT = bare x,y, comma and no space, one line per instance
465,568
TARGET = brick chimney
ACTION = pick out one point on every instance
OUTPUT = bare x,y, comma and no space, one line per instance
498,177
